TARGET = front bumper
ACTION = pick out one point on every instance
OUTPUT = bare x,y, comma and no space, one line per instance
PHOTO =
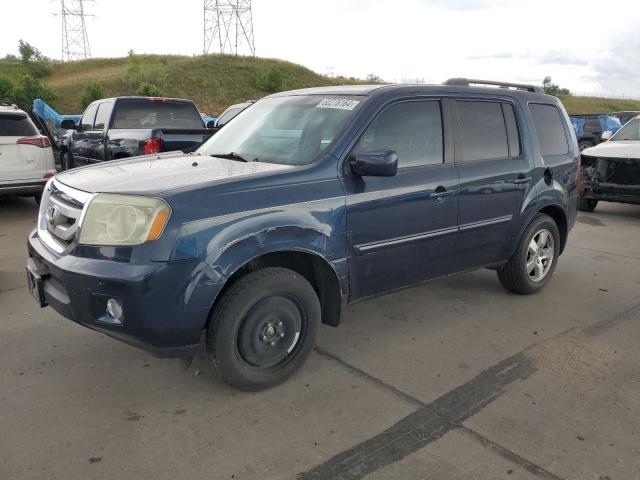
158,315
612,192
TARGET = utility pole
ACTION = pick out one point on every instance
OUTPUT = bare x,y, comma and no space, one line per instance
228,25
75,41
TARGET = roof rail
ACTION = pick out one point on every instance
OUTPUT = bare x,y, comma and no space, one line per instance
8,103
467,82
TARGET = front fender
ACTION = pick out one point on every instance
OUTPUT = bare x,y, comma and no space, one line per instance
224,244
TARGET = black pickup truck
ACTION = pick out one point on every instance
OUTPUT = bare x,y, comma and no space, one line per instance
122,127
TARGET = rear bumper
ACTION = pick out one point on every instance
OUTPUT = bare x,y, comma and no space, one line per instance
22,188
156,316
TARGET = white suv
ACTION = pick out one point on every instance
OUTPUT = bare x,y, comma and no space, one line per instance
26,157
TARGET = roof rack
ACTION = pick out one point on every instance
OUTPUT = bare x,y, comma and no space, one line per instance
8,103
467,82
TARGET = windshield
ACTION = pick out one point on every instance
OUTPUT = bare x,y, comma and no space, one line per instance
631,131
288,130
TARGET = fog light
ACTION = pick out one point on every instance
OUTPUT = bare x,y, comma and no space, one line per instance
114,309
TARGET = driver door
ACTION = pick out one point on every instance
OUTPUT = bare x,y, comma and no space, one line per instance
402,229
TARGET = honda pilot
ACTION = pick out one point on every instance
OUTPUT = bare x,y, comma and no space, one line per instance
306,202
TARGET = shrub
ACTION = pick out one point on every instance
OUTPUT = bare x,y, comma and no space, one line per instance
7,90
149,90
92,92
28,89
270,80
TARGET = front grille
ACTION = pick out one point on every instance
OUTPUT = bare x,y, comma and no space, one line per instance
61,215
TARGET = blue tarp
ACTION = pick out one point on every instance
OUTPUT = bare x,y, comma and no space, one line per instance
609,123
578,125
51,119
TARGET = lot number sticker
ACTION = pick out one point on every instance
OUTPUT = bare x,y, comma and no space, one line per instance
339,103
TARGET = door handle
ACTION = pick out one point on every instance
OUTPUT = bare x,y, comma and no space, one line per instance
521,180
440,193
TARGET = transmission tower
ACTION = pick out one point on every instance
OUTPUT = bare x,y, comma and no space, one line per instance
75,42
228,25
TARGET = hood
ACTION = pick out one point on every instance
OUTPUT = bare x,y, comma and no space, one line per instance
615,149
159,173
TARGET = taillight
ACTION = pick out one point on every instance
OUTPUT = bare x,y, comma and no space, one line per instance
152,145
48,174
37,140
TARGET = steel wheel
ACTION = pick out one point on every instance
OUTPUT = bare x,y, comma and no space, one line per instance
270,331
540,255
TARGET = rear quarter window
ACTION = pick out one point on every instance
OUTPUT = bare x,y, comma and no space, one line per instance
550,129
16,126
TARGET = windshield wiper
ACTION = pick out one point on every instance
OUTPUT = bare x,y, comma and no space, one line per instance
234,156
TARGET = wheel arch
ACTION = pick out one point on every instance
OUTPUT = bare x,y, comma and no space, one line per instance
316,269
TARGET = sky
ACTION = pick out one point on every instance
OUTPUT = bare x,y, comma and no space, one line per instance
588,46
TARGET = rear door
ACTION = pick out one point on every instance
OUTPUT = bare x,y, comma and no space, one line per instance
402,229
18,162
81,145
496,175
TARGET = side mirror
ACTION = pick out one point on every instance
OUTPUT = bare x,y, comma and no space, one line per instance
374,163
68,124
211,124
606,135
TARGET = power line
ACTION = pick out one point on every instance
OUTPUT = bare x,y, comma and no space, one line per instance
75,41
228,26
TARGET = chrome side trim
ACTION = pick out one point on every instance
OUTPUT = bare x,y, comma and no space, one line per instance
394,242
485,223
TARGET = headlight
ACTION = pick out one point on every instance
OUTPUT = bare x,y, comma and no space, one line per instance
115,220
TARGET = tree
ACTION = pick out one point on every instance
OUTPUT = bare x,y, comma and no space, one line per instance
149,90
34,62
373,78
92,92
551,88
270,80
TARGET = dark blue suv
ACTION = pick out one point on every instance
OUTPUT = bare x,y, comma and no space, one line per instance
307,201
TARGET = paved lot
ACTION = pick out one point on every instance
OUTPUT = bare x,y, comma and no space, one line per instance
454,380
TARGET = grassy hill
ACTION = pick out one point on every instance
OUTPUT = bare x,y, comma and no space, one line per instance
212,81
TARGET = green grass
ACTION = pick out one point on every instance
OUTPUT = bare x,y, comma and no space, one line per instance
212,81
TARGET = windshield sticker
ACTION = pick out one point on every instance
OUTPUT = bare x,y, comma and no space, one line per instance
339,103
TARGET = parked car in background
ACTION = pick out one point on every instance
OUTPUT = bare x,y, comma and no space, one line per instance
611,170
26,156
114,128
590,128
625,116
231,112
308,201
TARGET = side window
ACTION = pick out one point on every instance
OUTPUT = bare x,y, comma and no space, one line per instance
482,130
103,115
413,129
550,128
86,122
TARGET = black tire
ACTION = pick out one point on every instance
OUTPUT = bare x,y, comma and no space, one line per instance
587,204
263,328
582,145
67,162
37,197
514,275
